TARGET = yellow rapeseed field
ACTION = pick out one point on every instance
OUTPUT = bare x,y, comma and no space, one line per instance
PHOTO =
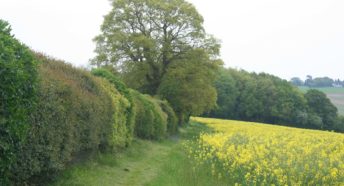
247,153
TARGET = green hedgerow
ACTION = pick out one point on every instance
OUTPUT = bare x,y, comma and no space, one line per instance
150,121
123,90
17,97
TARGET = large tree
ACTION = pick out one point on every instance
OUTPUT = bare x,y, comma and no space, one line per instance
142,38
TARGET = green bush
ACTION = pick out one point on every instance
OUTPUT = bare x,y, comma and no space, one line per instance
172,120
104,73
339,126
321,106
76,113
52,114
17,97
121,136
121,87
150,120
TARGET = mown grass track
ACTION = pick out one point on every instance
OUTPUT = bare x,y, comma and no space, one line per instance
144,163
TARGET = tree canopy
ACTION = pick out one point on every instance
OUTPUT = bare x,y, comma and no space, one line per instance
141,38
188,85
152,43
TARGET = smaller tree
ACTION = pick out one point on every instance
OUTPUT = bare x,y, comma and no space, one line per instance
320,105
323,82
188,85
339,126
309,81
296,81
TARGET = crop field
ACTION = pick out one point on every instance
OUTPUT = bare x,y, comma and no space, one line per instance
336,96
246,153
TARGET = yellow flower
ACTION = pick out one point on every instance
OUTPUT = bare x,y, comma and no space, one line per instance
261,153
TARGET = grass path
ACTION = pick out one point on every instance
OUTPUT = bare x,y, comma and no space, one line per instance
143,163
147,167
135,166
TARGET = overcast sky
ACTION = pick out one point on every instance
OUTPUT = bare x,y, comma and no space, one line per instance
283,37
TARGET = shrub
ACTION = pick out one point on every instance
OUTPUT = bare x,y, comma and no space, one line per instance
51,113
339,125
150,120
121,136
17,97
76,113
121,87
172,120
320,105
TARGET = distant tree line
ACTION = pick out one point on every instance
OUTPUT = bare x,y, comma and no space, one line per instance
269,99
317,82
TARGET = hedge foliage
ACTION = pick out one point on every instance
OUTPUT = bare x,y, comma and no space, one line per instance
122,88
52,114
74,113
172,120
150,120
17,97
79,113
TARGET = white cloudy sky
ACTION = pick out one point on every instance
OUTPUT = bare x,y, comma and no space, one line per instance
283,37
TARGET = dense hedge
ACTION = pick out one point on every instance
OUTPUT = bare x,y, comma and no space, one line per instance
79,113
172,120
150,120
121,134
52,113
17,97
122,88
76,113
